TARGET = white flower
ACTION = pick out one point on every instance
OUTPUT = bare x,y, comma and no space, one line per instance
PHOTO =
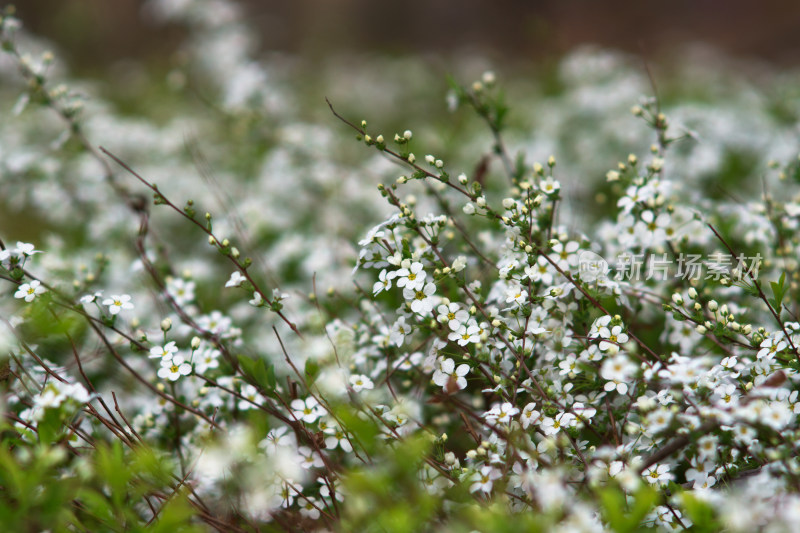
236,279
569,365
276,439
399,331
384,282
707,447
408,362
206,359
448,376
465,334
634,195
180,290
657,474
516,294
772,345
361,382
251,398
307,410
618,372
598,324
89,298
308,508
117,303
551,426
777,415
216,323
257,300
658,420
565,255
654,227
529,415
309,458
163,352
25,249
700,470
336,437
174,368
421,299
452,315
541,271
612,339
502,413
411,278
549,185
484,479
29,291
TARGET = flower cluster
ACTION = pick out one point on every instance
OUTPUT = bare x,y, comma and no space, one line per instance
476,353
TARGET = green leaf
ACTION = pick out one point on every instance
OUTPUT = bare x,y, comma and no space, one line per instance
258,372
700,513
778,292
624,518
311,370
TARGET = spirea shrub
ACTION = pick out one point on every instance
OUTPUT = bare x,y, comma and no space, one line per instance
222,325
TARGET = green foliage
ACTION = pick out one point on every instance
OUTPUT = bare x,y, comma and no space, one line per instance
779,289
623,514
387,496
46,487
259,372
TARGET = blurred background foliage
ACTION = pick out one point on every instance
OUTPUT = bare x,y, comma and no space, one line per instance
389,63
96,33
